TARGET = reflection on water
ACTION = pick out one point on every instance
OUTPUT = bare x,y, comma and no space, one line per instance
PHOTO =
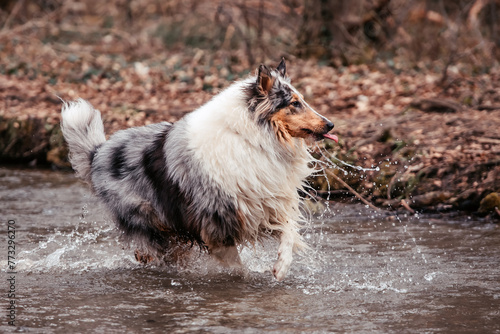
364,273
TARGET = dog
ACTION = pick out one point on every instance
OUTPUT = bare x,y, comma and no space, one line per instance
225,175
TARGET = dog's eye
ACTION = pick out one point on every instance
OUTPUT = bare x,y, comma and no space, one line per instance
296,104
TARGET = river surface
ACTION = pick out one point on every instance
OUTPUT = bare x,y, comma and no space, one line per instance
365,273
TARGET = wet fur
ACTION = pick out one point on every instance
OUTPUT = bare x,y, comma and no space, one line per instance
227,174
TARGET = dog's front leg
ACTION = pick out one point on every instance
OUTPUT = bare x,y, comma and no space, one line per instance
228,256
285,253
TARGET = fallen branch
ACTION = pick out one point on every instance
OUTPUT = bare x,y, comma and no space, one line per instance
430,198
407,207
394,179
13,14
361,198
488,107
436,105
39,23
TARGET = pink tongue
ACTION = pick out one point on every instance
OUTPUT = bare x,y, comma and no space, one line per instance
332,137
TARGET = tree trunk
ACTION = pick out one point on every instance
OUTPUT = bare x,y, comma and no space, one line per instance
329,26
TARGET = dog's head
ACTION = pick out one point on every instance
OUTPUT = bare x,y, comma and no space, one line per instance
274,101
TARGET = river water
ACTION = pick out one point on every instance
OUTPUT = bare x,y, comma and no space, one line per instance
365,273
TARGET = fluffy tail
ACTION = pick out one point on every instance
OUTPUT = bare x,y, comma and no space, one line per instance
83,130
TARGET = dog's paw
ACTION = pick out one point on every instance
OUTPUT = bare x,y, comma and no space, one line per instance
143,258
281,266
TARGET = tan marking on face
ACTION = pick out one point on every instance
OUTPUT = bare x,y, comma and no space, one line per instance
278,122
296,122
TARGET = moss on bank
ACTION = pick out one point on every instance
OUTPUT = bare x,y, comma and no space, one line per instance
32,140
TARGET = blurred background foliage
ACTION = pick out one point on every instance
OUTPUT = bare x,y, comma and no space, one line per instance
335,32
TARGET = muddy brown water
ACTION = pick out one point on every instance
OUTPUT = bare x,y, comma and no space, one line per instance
365,273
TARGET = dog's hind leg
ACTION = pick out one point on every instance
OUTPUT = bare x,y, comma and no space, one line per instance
285,253
141,225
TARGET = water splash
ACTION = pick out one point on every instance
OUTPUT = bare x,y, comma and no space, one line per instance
430,276
405,276
363,169
330,164
416,247
95,247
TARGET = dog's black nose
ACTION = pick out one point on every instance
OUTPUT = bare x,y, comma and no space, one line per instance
329,126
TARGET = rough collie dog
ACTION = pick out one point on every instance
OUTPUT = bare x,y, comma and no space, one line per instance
227,174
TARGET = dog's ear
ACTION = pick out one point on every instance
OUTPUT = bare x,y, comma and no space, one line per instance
282,68
265,80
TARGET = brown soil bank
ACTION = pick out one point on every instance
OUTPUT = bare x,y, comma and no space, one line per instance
424,145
